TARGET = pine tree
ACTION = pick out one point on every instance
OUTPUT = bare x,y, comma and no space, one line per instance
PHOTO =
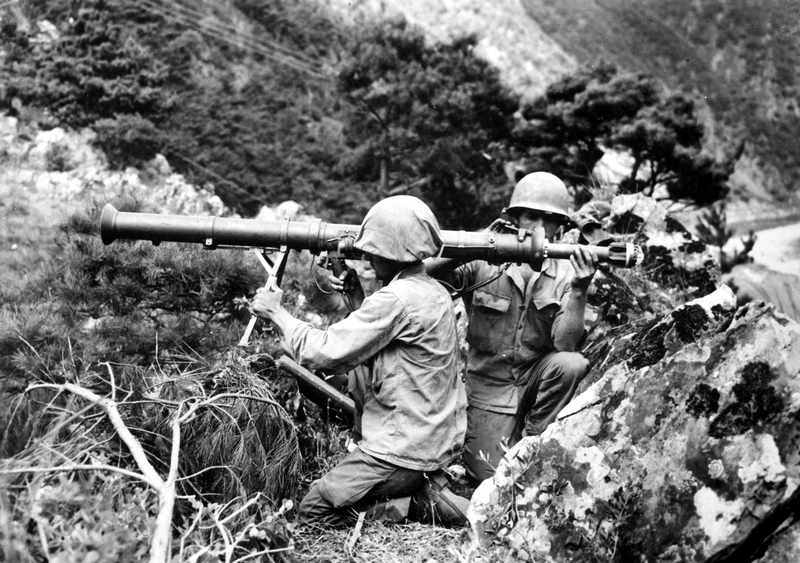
426,119
568,130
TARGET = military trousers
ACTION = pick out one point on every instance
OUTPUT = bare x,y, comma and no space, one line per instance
358,483
549,387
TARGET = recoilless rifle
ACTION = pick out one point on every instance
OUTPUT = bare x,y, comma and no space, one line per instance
335,242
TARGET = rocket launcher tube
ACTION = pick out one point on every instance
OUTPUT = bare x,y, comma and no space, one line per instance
319,236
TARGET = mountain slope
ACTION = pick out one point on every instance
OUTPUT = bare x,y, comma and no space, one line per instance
740,57
526,55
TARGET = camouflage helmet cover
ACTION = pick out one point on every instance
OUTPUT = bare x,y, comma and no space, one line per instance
400,228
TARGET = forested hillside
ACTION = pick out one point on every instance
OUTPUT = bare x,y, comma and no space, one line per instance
226,99
741,57
272,100
738,57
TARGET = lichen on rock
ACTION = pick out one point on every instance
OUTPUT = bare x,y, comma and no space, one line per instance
688,453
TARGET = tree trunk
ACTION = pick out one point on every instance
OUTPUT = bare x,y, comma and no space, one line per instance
383,187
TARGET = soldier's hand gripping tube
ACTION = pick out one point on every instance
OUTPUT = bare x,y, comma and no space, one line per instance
319,236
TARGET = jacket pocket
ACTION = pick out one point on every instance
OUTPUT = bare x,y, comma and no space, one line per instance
537,333
488,317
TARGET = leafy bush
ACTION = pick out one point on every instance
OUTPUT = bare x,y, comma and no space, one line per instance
95,68
58,158
128,140
99,518
127,300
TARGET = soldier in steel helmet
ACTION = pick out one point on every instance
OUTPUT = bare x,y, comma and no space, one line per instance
524,331
413,400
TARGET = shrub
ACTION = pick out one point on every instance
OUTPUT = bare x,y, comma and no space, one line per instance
95,68
128,140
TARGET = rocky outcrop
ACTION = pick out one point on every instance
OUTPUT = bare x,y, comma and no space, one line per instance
677,268
61,165
674,258
685,449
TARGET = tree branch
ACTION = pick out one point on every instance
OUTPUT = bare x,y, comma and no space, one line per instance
162,532
166,490
116,420
79,467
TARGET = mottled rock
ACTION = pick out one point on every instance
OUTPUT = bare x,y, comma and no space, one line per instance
675,260
61,150
684,449
677,268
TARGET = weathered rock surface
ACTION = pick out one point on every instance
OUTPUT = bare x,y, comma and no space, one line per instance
674,258
677,268
685,449
62,166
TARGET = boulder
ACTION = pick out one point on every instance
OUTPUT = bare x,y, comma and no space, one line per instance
685,449
62,150
677,268
675,259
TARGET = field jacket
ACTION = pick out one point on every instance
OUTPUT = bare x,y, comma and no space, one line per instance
510,327
415,410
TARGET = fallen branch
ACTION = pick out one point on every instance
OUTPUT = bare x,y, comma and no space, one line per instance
112,411
159,547
165,488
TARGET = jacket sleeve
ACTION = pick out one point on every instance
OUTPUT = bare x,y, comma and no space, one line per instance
566,324
351,341
464,276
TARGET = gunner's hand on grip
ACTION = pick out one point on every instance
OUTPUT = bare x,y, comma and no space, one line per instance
267,302
349,285
501,226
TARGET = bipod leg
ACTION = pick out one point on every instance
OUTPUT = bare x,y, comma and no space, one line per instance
275,270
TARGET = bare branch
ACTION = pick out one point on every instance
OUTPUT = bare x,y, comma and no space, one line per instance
242,508
79,467
162,533
113,382
213,399
116,420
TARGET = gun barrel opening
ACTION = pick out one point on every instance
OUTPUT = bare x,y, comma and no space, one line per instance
107,220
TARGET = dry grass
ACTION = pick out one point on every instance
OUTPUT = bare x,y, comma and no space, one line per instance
379,543
27,233
243,443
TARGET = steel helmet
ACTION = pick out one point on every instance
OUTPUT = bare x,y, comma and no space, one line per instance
541,191
400,228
